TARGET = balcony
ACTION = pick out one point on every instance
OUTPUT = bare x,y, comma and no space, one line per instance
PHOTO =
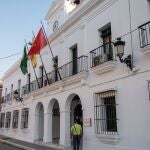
7,99
144,36
102,59
68,73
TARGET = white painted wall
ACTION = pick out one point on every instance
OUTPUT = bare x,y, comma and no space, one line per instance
132,93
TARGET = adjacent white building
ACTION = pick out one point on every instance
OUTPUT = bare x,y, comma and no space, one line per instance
111,99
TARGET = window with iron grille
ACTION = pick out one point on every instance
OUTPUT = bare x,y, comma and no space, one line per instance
105,116
24,118
8,120
2,119
15,119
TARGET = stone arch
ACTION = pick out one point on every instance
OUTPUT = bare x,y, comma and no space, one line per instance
73,101
53,121
39,121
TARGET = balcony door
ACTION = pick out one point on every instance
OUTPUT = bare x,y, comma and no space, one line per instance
74,60
107,39
55,68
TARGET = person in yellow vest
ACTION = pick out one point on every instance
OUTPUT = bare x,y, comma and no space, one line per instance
76,132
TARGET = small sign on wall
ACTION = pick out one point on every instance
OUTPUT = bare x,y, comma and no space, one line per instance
87,122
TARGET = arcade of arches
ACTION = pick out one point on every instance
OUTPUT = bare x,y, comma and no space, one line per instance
48,125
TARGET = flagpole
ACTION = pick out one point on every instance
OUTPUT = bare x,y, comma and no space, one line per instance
53,58
33,67
42,62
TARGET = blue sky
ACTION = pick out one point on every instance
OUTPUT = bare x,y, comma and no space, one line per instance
18,18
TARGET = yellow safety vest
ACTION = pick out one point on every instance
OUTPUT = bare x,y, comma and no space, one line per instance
76,129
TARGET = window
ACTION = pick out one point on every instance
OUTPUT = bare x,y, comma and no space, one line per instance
24,118
11,92
74,66
41,74
15,119
104,52
28,82
105,117
55,68
19,86
106,40
5,94
144,34
8,120
2,119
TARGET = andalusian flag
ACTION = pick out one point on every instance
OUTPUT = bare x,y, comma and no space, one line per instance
24,62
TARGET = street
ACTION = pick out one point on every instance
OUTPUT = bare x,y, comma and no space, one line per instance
7,147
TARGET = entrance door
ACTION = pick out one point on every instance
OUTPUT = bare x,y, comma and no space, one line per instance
76,112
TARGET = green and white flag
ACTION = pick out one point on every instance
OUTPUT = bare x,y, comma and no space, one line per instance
24,62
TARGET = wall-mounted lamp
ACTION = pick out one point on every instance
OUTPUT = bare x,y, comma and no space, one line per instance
119,48
17,96
76,2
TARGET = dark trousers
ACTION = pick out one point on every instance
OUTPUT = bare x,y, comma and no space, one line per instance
76,142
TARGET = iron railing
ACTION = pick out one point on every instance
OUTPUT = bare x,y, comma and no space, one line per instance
3,100
76,66
7,98
105,116
144,34
102,54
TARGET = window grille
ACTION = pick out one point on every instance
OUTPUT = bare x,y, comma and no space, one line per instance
2,119
144,34
15,119
105,116
8,120
24,118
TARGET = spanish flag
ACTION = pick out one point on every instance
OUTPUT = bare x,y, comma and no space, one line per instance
38,43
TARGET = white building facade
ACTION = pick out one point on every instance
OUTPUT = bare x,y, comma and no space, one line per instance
87,81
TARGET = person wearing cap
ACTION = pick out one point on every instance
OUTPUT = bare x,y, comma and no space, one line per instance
76,132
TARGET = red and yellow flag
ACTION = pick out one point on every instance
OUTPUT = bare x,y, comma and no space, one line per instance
38,43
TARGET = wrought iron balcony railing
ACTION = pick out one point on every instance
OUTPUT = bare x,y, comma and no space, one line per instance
74,67
3,100
102,54
144,34
7,98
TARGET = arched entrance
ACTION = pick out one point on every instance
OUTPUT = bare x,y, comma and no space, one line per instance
76,110
39,122
56,123
53,130
73,111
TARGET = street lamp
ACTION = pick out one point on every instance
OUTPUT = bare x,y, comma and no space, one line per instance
17,96
119,48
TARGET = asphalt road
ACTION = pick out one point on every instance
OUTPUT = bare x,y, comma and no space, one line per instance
7,147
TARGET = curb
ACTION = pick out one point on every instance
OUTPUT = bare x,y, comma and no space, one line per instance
16,145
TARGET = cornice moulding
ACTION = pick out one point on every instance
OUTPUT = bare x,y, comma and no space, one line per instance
53,9
75,16
78,14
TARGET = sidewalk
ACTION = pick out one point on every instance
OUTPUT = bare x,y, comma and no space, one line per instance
26,145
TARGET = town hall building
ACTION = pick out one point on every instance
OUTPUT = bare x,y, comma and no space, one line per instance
95,67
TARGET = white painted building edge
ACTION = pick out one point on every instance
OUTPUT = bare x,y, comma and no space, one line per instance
132,90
